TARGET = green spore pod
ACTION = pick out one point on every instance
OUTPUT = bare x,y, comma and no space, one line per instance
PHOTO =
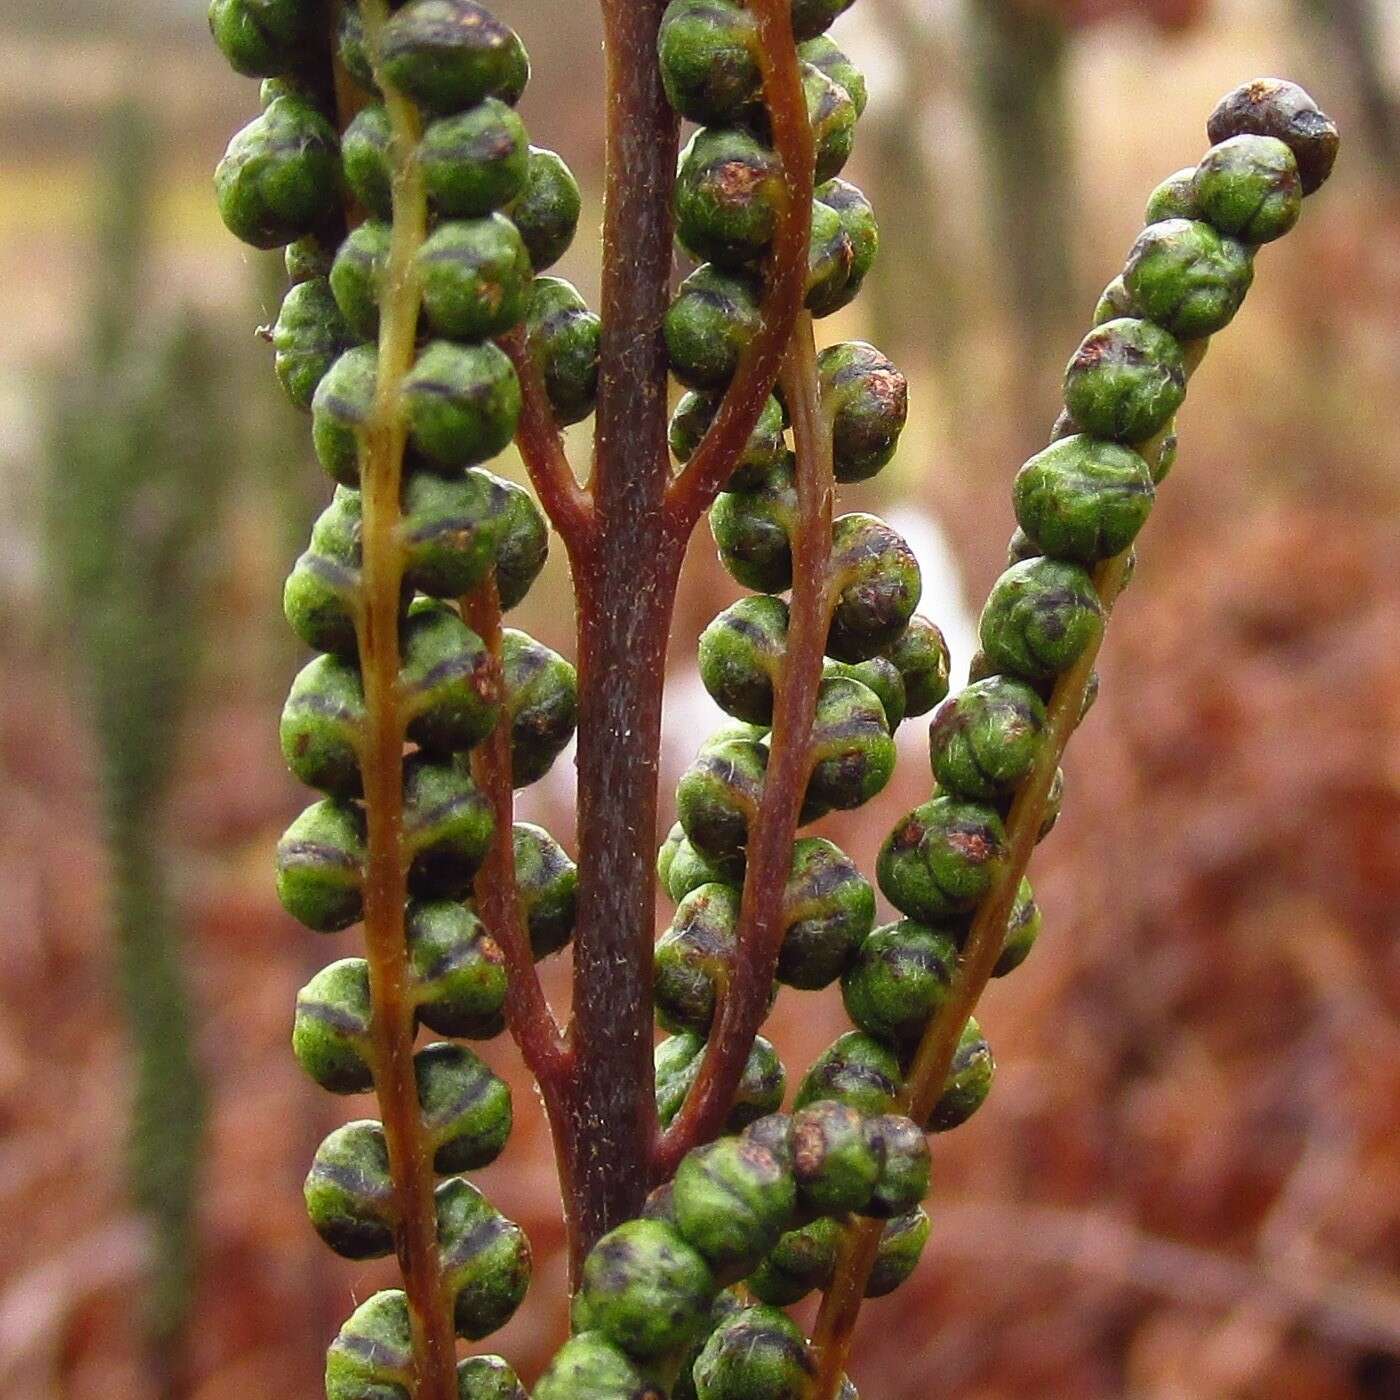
733,1200
709,325
1165,459
1274,107
771,1133
1187,277
901,1244
758,1354
880,676
666,854
729,189
306,258
349,1194
452,530
813,17
753,531
330,1032
475,275
852,753
488,1378
541,704
984,741
1020,546
590,1367
263,38
856,1070
280,177
524,545
828,910
1174,198
357,276
760,1090
459,974
1022,929
1125,381
688,869
446,683
693,957
450,54
320,866
858,221
352,47
741,655
880,586
323,725
725,1305
709,59
447,826
307,338
319,597
547,209
461,402
718,796
466,1107
340,409
659,1205
868,400
822,53
801,1262
364,157
1039,618
766,447
942,859
831,114
901,976
475,162
830,258
904,1175
646,1289
547,882
486,1260
835,1162
1054,800
968,1084
920,654
372,1355
1249,187
303,88
1115,301
564,339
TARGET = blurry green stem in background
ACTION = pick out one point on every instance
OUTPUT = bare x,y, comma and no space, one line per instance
1354,27
1017,58
132,493
915,272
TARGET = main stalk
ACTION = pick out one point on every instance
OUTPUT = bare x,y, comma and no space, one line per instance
625,586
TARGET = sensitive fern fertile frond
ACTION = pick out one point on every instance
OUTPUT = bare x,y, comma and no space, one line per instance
422,337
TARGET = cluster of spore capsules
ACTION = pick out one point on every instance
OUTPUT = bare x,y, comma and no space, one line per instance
686,1301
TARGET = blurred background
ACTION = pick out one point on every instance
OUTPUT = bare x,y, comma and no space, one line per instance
1187,1183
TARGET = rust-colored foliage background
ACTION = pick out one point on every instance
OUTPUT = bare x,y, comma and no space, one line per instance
1187,1183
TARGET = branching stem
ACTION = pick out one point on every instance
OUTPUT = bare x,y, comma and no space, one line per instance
712,462
393,1022
532,1023
760,934
568,506
932,1061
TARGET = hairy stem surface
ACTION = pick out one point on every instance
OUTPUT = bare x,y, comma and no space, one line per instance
393,1024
